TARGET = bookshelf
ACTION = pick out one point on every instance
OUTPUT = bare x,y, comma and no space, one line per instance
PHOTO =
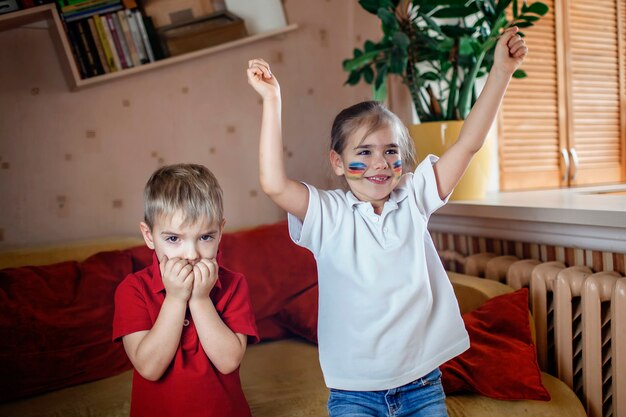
48,13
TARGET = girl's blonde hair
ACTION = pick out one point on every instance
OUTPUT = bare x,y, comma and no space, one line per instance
373,115
190,188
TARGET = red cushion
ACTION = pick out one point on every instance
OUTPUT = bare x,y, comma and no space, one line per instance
55,324
501,362
141,255
276,269
299,315
270,328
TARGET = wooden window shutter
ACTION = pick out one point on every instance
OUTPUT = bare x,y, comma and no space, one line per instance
593,78
573,99
529,119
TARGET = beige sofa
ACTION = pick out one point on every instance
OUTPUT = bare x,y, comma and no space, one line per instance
280,378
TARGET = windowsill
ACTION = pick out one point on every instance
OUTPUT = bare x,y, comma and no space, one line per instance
585,217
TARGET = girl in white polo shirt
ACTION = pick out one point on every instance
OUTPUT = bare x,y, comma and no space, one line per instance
388,316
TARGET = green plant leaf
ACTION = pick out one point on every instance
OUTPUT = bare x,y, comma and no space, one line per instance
379,90
502,5
519,73
456,31
529,19
515,9
397,61
369,46
537,8
444,45
368,74
431,23
389,22
521,24
361,60
456,12
487,9
354,78
401,40
430,75
467,46
452,95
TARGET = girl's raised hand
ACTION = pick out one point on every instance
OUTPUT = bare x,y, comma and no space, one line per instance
510,51
260,77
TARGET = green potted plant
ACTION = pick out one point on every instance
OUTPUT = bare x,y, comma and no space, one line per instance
440,49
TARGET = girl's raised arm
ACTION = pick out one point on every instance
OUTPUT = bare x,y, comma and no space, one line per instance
290,195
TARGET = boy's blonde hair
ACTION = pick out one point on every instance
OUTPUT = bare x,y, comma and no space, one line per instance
190,188
374,116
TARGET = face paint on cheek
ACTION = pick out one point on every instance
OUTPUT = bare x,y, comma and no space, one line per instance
356,170
397,168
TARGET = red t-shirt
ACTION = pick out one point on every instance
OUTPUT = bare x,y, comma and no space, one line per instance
191,386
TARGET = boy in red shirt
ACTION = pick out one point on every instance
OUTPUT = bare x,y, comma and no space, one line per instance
184,320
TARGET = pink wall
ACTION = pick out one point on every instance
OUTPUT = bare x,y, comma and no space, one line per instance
73,164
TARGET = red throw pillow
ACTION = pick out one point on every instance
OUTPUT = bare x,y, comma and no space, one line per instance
501,362
299,315
276,270
270,328
55,324
141,255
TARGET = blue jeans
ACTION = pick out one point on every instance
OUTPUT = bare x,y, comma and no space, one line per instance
422,397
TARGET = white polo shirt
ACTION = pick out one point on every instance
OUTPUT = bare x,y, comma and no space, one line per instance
387,310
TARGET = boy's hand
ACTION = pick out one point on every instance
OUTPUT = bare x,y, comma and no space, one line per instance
260,77
204,278
177,276
510,51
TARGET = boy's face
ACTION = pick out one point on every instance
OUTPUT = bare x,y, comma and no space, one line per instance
170,237
372,167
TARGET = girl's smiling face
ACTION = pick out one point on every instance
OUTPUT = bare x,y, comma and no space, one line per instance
371,164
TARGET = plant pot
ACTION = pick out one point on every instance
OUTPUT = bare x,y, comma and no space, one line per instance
436,137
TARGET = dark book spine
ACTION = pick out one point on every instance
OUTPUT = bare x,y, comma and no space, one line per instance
155,41
82,41
91,45
77,49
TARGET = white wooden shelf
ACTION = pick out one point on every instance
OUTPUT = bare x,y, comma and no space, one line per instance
48,12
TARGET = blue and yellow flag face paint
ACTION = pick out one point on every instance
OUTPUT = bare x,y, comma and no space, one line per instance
356,170
397,168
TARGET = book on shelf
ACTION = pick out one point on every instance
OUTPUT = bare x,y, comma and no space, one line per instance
63,3
136,35
106,46
122,40
132,48
87,4
91,11
90,47
153,38
104,23
98,44
76,51
139,18
116,41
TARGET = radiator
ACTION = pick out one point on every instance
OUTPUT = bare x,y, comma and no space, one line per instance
580,323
